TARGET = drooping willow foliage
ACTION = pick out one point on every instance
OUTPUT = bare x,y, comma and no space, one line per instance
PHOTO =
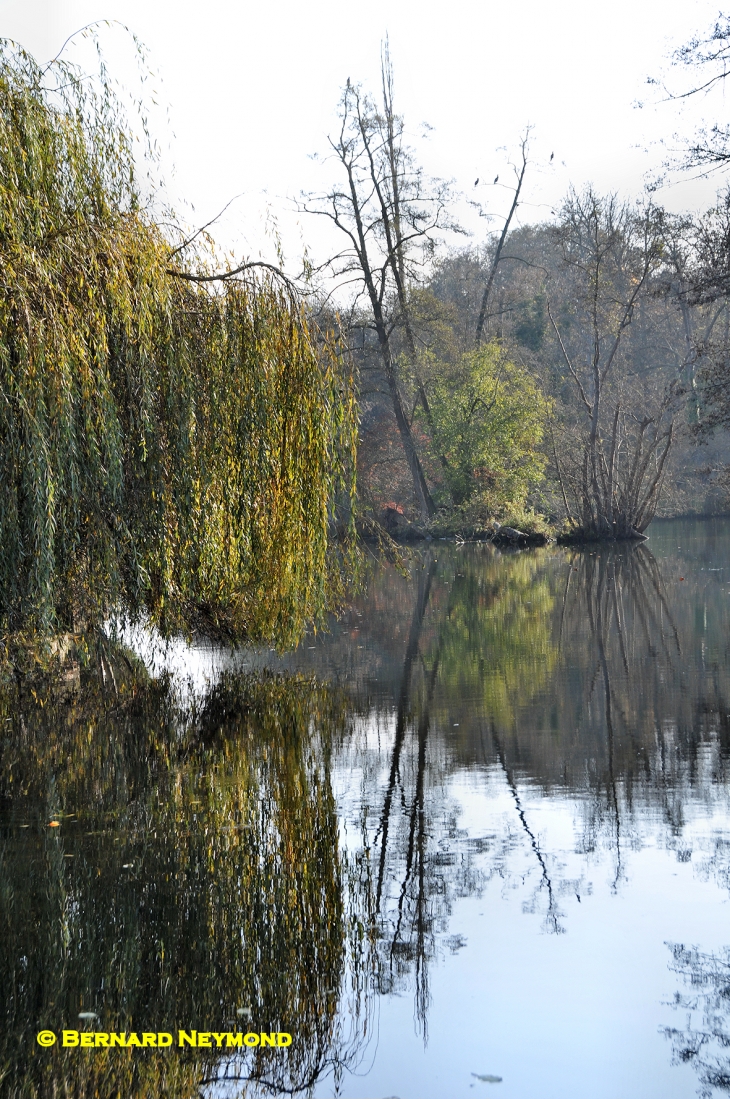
196,870
165,445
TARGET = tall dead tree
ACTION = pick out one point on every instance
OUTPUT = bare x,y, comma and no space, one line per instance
390,216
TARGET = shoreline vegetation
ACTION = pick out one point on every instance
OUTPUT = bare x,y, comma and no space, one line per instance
526,528
567,368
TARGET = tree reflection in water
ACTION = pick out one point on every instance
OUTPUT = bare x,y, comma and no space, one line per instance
620,593
461,611
195,881
704,1040
570,672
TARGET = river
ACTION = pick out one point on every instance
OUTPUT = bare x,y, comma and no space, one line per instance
473,841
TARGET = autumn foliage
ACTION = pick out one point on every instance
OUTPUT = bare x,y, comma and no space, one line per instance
167,447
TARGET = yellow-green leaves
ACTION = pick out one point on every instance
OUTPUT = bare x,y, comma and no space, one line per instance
163,445
489,417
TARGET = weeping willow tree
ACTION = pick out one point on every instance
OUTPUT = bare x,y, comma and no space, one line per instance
172,441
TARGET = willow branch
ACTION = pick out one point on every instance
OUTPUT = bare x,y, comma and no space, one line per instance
223,276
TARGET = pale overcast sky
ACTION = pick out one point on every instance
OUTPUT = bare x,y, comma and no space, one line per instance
252,89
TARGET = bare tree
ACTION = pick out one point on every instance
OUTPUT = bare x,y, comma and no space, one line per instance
391,217
520,178
708,57
612,255
706,281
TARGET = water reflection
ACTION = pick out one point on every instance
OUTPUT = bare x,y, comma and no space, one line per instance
704,1039
195,880
464,607
514,753
595,679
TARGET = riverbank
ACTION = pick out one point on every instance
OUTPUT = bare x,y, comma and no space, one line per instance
528,528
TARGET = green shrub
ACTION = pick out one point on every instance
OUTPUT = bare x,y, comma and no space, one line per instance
488,417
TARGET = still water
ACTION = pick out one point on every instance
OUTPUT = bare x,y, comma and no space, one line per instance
474,841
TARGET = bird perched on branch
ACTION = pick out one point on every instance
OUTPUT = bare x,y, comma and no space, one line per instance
476,181
496,178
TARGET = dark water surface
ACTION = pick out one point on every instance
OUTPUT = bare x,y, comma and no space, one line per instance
494,842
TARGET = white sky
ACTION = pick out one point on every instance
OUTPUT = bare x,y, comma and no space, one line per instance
251,91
